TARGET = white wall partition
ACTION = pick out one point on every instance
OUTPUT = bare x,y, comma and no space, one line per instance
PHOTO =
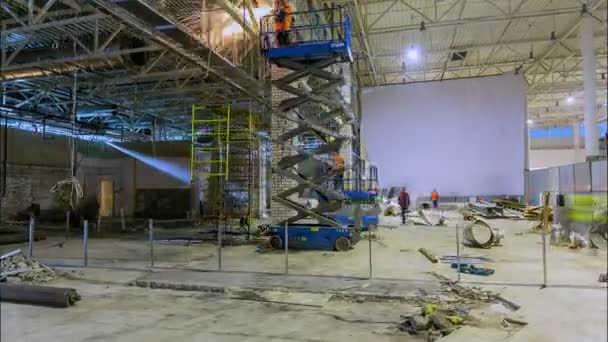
463,137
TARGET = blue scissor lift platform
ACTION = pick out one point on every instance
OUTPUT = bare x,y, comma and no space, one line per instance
315,36
316,40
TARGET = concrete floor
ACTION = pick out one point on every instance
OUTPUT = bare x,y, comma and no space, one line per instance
572,308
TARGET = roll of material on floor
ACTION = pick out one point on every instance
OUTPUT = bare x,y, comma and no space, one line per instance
58,297
479,234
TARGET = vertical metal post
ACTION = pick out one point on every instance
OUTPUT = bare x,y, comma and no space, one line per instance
545,229
98,225
85,242
219,246
31,237
151,240
286,244
122,220
370,251
67,225
458,248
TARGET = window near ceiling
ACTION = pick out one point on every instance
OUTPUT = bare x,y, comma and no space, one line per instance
562,132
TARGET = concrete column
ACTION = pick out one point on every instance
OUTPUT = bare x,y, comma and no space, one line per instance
591,129
576,138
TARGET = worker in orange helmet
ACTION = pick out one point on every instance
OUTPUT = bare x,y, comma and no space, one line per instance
435,198
282,21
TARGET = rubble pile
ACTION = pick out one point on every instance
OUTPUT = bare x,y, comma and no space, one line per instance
26,269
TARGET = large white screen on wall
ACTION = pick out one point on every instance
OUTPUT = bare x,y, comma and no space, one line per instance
464,137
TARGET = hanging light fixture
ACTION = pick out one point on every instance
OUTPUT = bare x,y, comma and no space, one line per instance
422,27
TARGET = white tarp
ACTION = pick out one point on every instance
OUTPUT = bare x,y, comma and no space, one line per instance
463,137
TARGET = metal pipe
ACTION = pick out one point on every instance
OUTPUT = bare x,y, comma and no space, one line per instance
151,241
85,242
31,237
286,244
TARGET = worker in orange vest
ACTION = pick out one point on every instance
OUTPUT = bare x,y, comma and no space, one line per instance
435,198
337,169
404,203
282,21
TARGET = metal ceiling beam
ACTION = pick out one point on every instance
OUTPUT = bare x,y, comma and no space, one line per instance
474,20
235,14
365,40
173,36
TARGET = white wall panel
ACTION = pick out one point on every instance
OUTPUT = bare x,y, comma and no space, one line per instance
463,137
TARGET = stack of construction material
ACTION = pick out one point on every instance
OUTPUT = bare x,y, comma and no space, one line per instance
15,263
528,212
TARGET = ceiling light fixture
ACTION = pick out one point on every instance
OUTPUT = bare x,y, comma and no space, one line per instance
530,122
412,54
570,99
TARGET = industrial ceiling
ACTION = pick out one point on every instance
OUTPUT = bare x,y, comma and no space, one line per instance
131,67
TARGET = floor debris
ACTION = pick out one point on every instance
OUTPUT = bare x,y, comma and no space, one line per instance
26,268
430,256
472,269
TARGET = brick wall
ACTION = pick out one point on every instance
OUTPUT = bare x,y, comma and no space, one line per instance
26,184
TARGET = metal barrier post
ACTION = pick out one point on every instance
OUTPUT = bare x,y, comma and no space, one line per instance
286,244
458,248
31,237
85,242
122,220
545,229
151,240
369,238
67,225
219,247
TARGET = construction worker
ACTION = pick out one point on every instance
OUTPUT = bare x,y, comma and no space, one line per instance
435,198
337,169
404,203
282,21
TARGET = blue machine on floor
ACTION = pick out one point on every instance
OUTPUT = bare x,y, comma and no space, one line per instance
367,221
315,237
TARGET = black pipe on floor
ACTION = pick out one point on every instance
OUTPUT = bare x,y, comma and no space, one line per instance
58,297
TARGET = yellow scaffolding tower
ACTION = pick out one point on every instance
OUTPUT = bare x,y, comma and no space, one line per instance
210,134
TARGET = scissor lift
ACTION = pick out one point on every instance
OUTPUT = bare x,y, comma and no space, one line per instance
318,40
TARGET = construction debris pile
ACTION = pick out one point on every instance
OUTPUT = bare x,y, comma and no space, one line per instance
440,315
521,210
430,218
17,264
